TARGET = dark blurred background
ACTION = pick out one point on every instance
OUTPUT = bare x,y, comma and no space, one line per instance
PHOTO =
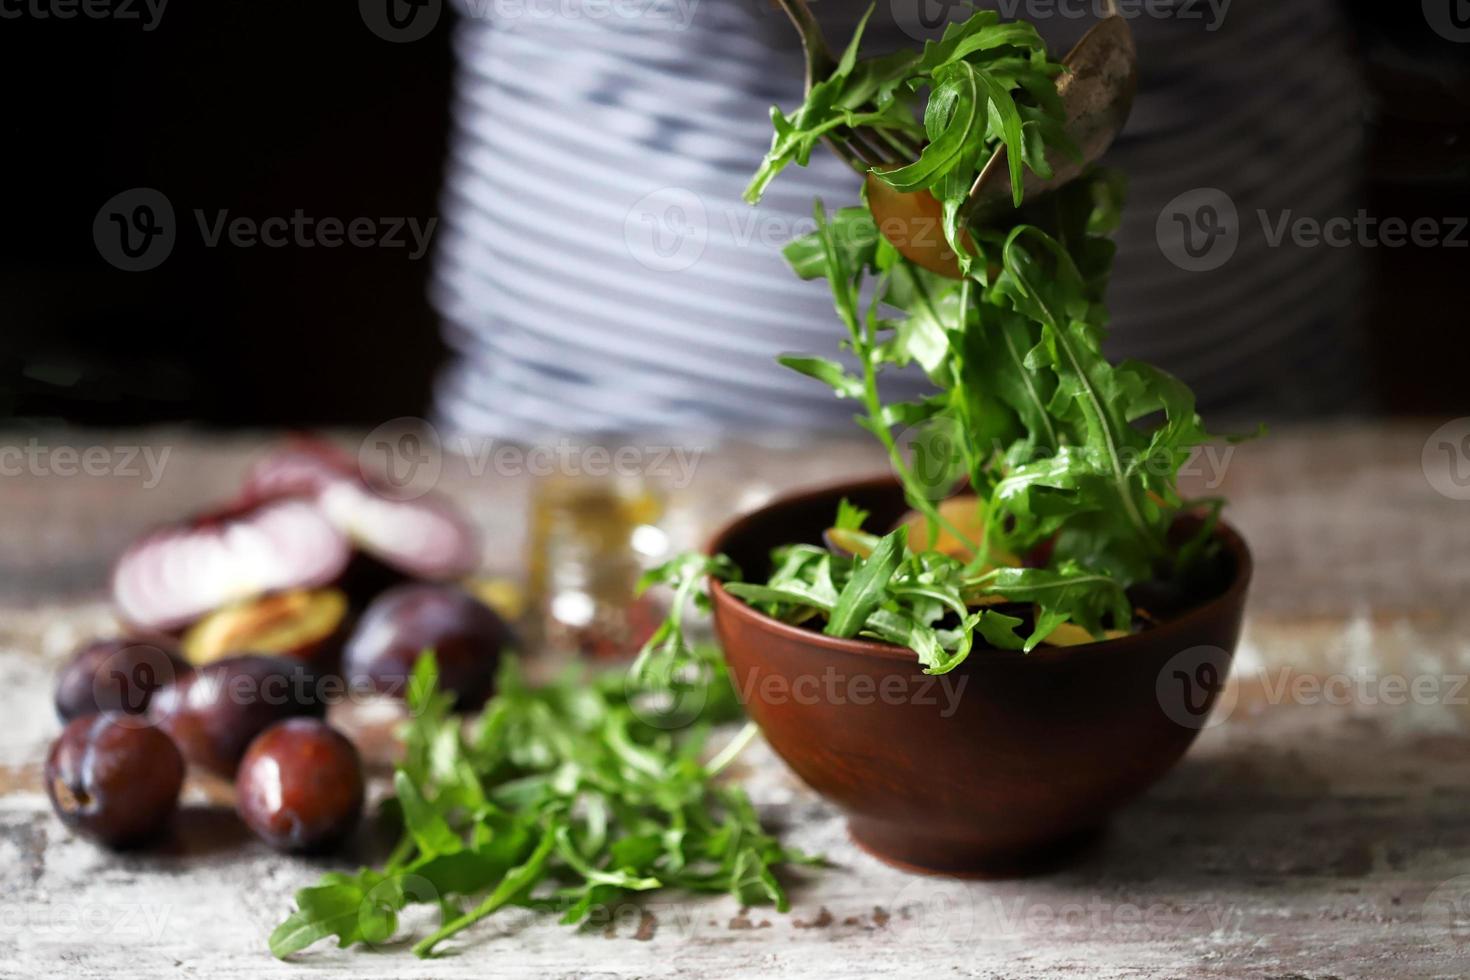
263,108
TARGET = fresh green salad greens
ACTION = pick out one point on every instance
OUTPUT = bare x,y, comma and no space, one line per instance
1031,446
1050,472
569,798
989,84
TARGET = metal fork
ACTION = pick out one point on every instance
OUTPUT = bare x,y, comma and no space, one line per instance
1097,91
864,148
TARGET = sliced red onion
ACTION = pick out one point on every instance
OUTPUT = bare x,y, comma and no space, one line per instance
426,537
177,574
304,468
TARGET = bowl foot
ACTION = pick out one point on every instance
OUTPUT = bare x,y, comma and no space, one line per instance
901,848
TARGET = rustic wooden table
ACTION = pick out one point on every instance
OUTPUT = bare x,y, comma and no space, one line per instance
1322,828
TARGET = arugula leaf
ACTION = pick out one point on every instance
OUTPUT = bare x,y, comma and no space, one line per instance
333,908
570,782
865,590
850,517
828,372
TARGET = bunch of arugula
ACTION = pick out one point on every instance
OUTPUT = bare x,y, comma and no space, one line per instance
1072,461
990,84
565,798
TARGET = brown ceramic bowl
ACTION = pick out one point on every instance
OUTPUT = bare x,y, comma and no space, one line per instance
1002,766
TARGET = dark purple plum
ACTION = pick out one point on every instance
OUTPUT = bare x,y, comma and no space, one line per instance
215,712
118,674
113,780
300,786
466,635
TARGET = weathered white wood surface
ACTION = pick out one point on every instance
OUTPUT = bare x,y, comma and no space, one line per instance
1314,833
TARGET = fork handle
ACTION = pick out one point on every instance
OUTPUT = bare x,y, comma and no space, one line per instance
819,60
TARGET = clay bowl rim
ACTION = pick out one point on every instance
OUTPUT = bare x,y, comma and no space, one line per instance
1232,539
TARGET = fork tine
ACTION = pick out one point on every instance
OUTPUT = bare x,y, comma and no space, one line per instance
907,152
857,140
844,152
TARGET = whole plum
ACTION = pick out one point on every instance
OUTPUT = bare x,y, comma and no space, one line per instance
113,780
466,635
116,674
215,712
300,786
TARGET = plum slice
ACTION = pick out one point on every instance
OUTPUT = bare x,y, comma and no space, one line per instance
425,537
175,575
305,624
